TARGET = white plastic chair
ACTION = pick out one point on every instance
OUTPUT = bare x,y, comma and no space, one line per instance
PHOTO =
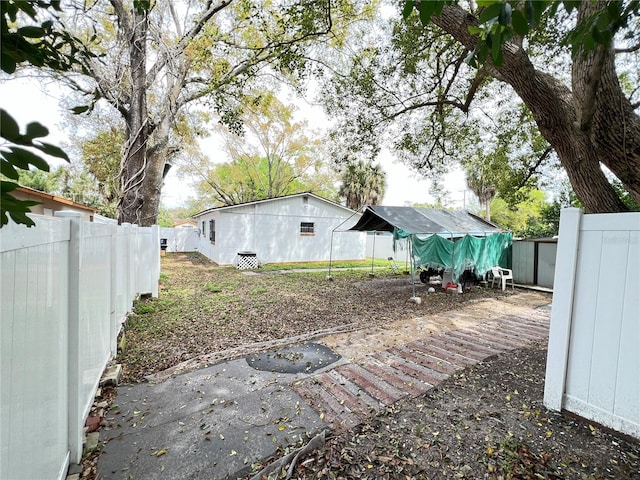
393,266
502,275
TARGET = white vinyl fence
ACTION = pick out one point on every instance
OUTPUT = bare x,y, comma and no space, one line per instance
593,362
183,239
67,286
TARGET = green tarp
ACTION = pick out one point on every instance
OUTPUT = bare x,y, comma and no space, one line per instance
469,252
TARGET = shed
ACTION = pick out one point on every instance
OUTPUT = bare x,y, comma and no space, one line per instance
292,228
451,239
534,261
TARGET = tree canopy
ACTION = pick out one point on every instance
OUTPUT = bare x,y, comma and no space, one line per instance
274,156
154,59
434,83
41,45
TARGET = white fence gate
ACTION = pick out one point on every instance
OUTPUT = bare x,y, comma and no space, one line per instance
66,287
593,362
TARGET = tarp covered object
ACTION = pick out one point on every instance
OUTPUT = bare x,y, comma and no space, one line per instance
469,252
456,240
405,221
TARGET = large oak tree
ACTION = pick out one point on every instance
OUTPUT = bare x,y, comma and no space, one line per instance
576,71
157,58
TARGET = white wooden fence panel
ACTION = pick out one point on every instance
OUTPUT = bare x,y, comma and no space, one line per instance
593,362
34,393
65,286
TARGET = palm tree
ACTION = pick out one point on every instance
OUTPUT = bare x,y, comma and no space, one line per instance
482,185
362,184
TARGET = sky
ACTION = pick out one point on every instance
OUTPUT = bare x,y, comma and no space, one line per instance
27,101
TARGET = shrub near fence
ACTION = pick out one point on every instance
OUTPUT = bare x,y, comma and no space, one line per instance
66,288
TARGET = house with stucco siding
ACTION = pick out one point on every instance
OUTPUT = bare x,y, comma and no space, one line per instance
293,228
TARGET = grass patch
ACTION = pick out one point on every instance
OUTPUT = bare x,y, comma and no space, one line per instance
335,264
213,287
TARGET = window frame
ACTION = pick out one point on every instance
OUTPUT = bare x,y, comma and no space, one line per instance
307,228
212,231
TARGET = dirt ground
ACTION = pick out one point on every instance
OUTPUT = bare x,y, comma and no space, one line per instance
487,421
205,313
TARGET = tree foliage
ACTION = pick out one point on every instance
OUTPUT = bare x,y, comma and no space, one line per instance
362,184
24,41
273,157
156,61
433,85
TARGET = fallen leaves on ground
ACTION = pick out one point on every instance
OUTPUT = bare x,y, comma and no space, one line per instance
464,429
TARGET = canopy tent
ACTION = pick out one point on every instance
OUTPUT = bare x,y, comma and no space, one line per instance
449,239
412,221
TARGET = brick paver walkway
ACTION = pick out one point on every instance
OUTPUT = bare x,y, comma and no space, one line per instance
345,395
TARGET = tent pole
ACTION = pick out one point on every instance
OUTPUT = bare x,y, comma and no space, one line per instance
330,253
406,261
373,253
413,269
331,242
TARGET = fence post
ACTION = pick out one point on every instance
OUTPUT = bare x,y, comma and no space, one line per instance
155,248
114,292
130,270
73,324
562,309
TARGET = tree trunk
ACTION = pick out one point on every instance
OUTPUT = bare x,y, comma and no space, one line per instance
610,134
134,168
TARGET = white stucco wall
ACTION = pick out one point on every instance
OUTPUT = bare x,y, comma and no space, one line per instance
272,230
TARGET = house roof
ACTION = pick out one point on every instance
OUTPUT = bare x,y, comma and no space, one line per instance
54,198
423,221
303,194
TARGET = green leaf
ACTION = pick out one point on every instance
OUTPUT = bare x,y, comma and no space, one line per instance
496,48
31,32
505,15
408,8
8,127
80,109
6,187
426,10
491,12
8,170
23,158
528,8
519,22
52,150
473,30
36,130
470,59
570,5
439,6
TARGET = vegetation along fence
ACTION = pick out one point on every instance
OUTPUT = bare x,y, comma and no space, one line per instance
593,359
67,286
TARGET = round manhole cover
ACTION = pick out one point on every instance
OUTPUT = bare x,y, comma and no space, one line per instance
306,358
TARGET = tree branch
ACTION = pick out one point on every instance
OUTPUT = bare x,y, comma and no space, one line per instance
209,12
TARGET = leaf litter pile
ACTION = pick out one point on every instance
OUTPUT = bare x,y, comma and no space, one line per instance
486,421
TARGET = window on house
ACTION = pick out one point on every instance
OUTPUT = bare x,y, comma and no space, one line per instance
307,228
203,228
305,200
212,231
